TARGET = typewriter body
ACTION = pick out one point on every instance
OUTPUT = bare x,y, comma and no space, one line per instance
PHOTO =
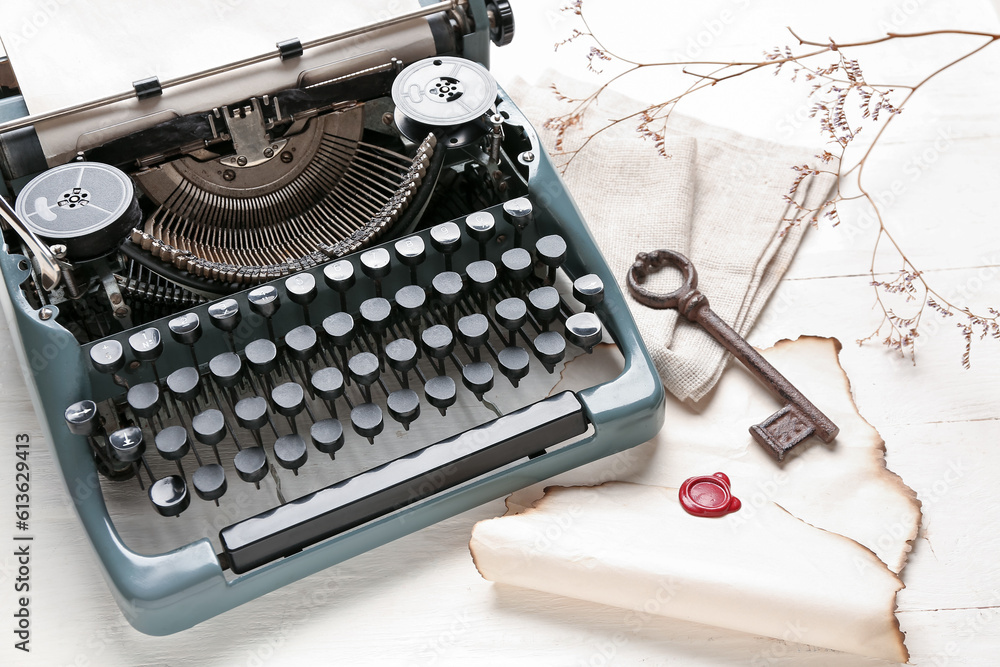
269,334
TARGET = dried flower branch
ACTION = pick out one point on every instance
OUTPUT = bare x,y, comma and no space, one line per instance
838,87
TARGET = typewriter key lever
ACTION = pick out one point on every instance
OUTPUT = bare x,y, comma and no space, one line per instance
787,427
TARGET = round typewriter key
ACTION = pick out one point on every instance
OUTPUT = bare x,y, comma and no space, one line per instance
376,312
402,354
438,342
186,328
108,356
708,495
251,413
404,406
302,342
516,264
147,345
301,288
225,314
376,264
411,301
519,213
440,392
514,363
339,277
364,369
588,290
172,443
184,384
550,348
446,238
482,276
144,399
291,452
288,400
339,328
481,227
262,356
82,418
447,287
551,251
327,436
328,384
127,444
511,314
411,252
474,330
264,300
367,421
169,495
226,368
478,378
584,330
544,304
209,427
251,465
210,482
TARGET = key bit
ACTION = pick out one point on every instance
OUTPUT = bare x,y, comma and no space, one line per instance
790,425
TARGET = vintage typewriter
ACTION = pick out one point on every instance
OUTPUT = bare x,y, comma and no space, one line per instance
267,336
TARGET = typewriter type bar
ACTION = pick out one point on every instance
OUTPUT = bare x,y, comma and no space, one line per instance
327,512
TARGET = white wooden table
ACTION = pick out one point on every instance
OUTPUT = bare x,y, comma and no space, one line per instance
420,601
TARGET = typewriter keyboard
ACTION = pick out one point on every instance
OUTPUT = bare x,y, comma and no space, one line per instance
300,408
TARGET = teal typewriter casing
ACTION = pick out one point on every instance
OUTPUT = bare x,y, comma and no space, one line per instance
169,592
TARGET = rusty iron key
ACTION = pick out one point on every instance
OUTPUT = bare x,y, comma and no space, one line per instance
798,419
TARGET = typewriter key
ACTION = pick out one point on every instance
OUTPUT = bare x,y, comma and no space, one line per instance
550,348
289,400
144,399
226,316
584,330
513,363
251,465
339,277
438,342
339,329
262,359
402,356
519,213
367,421
251,414
186,329
411,252
82,418
173,445
411,301
376,264
147,345
478,378
551,251
108,357
404,406
301,289
511,314
328,384
169,495
327,436
474,331
446,238
517,266
264,301
127,444
544,304
185,385
481,227
376,313
364,369
440,392
588,290
291,452
210,482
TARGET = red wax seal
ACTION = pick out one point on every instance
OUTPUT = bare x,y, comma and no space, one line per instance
708,496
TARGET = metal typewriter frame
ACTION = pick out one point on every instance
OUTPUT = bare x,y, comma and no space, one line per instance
169,592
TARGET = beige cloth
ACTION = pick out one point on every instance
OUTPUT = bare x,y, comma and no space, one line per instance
718,199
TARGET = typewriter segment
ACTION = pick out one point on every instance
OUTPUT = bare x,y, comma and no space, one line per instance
283,330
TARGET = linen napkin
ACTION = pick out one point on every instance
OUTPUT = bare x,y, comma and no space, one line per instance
717,198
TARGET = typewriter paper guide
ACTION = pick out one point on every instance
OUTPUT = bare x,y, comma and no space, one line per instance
831,502
69,53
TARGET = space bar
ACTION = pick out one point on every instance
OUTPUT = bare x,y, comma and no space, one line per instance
293,526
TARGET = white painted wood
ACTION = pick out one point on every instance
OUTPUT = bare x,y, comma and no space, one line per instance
420,601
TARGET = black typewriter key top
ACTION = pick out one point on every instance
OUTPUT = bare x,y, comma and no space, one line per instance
584,330
367,421
404,406
517,265
551,251
511,314
411,301
186,330
339,277
376,264
226,316
291,452
169,495
289,400
411,252
262,357
227,370
251,465
446,238
519,213
144,399
588,290
364,368
108,357
147,346
302,343
301,289
550,348
173,444
185,384
340,330
209,427
544,303
328,384
210,482
82,418
438,342
440,392
481,226
447,287
251,414
265,301
402,357
513,363
482,276
376,314
478,378
327,436
474,331
127,444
